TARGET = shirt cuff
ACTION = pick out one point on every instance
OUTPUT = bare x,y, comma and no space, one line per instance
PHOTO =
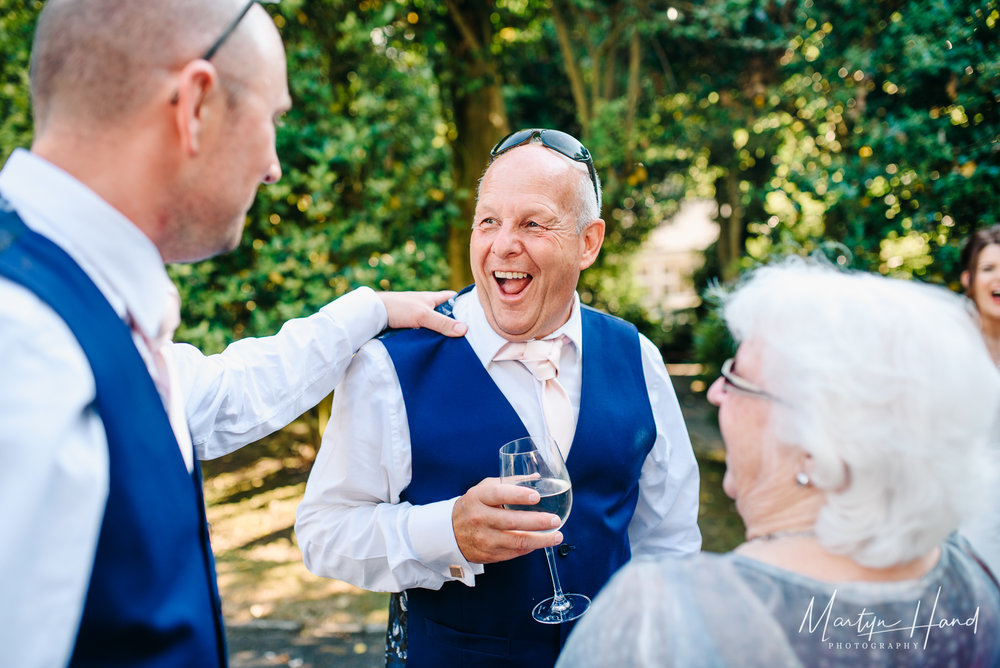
433,541
361,313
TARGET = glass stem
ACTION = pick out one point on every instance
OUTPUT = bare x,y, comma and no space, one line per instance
559,602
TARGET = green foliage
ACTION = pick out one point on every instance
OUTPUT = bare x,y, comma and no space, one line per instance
17,24
865,130
712,342
912,94
365,196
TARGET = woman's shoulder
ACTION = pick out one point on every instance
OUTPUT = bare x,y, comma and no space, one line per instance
678,611
690,570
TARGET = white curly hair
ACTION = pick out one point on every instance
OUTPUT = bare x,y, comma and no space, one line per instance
891,391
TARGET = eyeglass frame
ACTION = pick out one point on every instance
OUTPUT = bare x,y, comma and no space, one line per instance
210,51
582,153
741,384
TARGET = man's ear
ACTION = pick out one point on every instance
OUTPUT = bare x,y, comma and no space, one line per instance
194,84
965,278
592,238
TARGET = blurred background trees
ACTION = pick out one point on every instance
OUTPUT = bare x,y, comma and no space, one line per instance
866,131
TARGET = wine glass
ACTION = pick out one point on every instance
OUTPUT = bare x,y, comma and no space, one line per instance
535,462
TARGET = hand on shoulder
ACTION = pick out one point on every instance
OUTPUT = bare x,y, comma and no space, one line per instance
416,309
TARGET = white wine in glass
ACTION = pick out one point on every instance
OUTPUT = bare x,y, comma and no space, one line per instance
536,462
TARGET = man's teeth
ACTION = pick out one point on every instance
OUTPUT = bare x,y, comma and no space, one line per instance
510,274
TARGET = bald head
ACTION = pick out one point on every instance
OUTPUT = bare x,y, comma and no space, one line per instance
96,62
125,102
585,206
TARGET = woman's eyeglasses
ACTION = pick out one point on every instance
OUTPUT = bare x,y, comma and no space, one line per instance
558,141
743,385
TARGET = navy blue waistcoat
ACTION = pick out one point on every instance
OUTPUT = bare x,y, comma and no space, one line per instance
152,598
458,420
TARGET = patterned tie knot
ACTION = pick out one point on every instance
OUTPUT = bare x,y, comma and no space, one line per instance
541,357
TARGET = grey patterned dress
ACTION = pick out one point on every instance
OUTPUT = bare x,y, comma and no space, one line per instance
728,610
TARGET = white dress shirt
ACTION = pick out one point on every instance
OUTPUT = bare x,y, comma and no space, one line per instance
351,524
53,448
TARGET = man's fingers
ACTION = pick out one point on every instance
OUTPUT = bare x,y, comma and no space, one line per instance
416,309
513,504
492,492
443,324
532,540
523,520
487,532
439,322
441,296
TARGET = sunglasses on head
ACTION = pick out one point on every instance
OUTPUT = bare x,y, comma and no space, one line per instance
231,27
558,141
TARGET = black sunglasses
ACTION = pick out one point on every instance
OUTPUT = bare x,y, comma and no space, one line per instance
232,26
558,141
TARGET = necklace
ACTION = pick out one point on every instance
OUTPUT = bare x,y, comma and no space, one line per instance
775,535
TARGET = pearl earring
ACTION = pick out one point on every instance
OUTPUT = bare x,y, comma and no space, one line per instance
802,478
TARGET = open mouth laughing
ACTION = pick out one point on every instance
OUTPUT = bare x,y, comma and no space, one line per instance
511,282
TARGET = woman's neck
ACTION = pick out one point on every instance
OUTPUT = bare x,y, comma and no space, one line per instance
780,509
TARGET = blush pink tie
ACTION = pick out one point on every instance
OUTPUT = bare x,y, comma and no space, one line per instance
542,359
165,375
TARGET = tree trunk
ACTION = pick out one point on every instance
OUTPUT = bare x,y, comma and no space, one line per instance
479,114
576,84
730,246
634,62
481,120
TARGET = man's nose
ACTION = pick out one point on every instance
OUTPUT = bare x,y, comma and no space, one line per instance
507,241
273,173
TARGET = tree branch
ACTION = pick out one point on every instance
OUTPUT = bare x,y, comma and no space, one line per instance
463,27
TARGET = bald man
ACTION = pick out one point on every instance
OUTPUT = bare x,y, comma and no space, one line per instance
154,126
404,495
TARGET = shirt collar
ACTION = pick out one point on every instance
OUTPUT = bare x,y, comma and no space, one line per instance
117,255
486,343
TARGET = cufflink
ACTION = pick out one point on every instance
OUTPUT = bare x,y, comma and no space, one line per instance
456,571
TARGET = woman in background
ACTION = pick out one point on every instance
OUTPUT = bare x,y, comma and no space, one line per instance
980,262
856,415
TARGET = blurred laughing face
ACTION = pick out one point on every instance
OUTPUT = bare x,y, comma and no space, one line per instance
984,283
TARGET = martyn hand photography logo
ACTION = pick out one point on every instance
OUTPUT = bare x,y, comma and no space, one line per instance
877,632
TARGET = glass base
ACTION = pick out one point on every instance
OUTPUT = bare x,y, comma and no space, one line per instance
569,608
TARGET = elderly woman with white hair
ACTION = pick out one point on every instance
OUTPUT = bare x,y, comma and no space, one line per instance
856,415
